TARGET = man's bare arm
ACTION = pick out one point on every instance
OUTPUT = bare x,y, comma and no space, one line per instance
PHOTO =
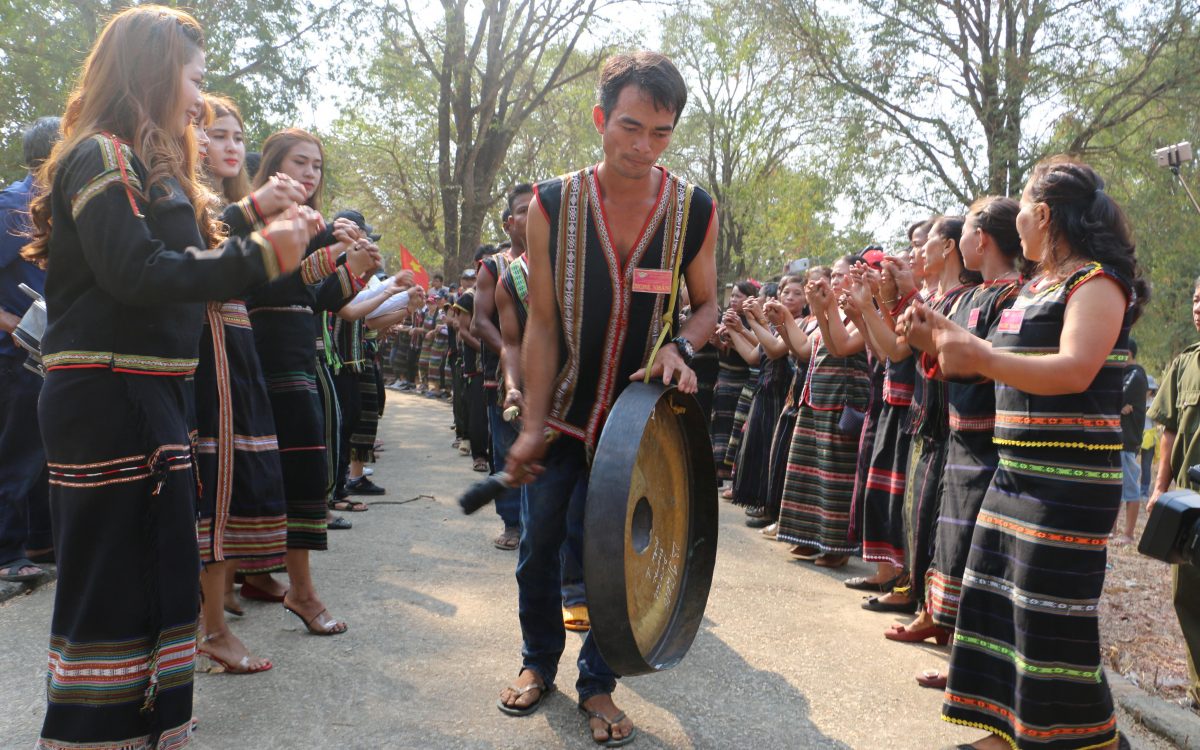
485,305
539,354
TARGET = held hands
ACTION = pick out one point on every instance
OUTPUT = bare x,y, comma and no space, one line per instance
959,352
820,295
278,194
362,257
514,397
896,279
669,364
776,313
732,321
289,235
753,309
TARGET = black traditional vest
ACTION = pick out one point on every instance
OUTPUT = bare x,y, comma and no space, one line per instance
607,329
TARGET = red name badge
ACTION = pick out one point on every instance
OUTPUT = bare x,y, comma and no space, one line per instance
1010,321
973,320
652,281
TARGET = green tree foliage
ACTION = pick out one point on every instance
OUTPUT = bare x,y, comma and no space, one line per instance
257,53
964,96
386,158
492,65
754,121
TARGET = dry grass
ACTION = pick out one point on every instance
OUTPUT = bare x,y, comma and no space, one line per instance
1139,631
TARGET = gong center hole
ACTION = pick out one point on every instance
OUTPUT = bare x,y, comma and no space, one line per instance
643,525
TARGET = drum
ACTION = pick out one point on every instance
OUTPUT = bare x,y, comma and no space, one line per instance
650,531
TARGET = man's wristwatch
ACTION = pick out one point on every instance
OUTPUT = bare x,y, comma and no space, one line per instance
686,350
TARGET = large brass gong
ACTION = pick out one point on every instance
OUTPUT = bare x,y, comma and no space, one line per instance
650,539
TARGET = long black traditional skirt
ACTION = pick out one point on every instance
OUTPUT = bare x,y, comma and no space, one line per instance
970,463
781,444
741,416
362,439
752,483
1025,661
725,399
866,443
123,502
922,502
285,344
242,511
883,500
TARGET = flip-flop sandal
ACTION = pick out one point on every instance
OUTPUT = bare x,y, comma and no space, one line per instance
17,564
231,605
508,540
576,618
610,742
524,710
931,678
346,505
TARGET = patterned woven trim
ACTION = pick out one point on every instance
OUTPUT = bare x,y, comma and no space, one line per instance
250,213
979,725
1058,444
317,265
172,739
1067,472
136,363
1005,418
113,672
959,423
119,471
977,704
1041,534
270,256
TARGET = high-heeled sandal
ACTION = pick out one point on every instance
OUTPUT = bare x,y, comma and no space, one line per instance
333,627
242,667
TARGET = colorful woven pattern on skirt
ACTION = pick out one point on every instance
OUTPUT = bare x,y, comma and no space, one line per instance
725,398
819,483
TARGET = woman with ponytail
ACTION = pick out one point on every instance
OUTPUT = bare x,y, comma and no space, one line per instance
1026,663
125,230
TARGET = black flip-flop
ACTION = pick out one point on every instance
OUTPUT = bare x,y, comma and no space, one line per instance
524,710
17,564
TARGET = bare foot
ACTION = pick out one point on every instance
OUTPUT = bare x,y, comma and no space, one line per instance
225,648
518,696
606,721
232,605
991,742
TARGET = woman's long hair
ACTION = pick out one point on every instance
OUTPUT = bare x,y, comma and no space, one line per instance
129,87
276,149
232,189
1088,220
996,216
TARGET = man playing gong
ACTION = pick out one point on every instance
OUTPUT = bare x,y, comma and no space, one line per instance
603,246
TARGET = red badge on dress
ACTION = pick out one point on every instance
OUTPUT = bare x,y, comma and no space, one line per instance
1010,321
652,281
973,320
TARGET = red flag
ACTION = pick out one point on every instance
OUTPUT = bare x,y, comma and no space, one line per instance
407,261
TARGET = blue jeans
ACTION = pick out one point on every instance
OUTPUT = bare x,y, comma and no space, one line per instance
1131,477
508,505
544,510
24,491
571,554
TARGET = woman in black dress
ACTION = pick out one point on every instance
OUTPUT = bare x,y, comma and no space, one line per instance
125,230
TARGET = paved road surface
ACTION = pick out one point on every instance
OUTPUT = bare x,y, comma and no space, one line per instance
785,658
